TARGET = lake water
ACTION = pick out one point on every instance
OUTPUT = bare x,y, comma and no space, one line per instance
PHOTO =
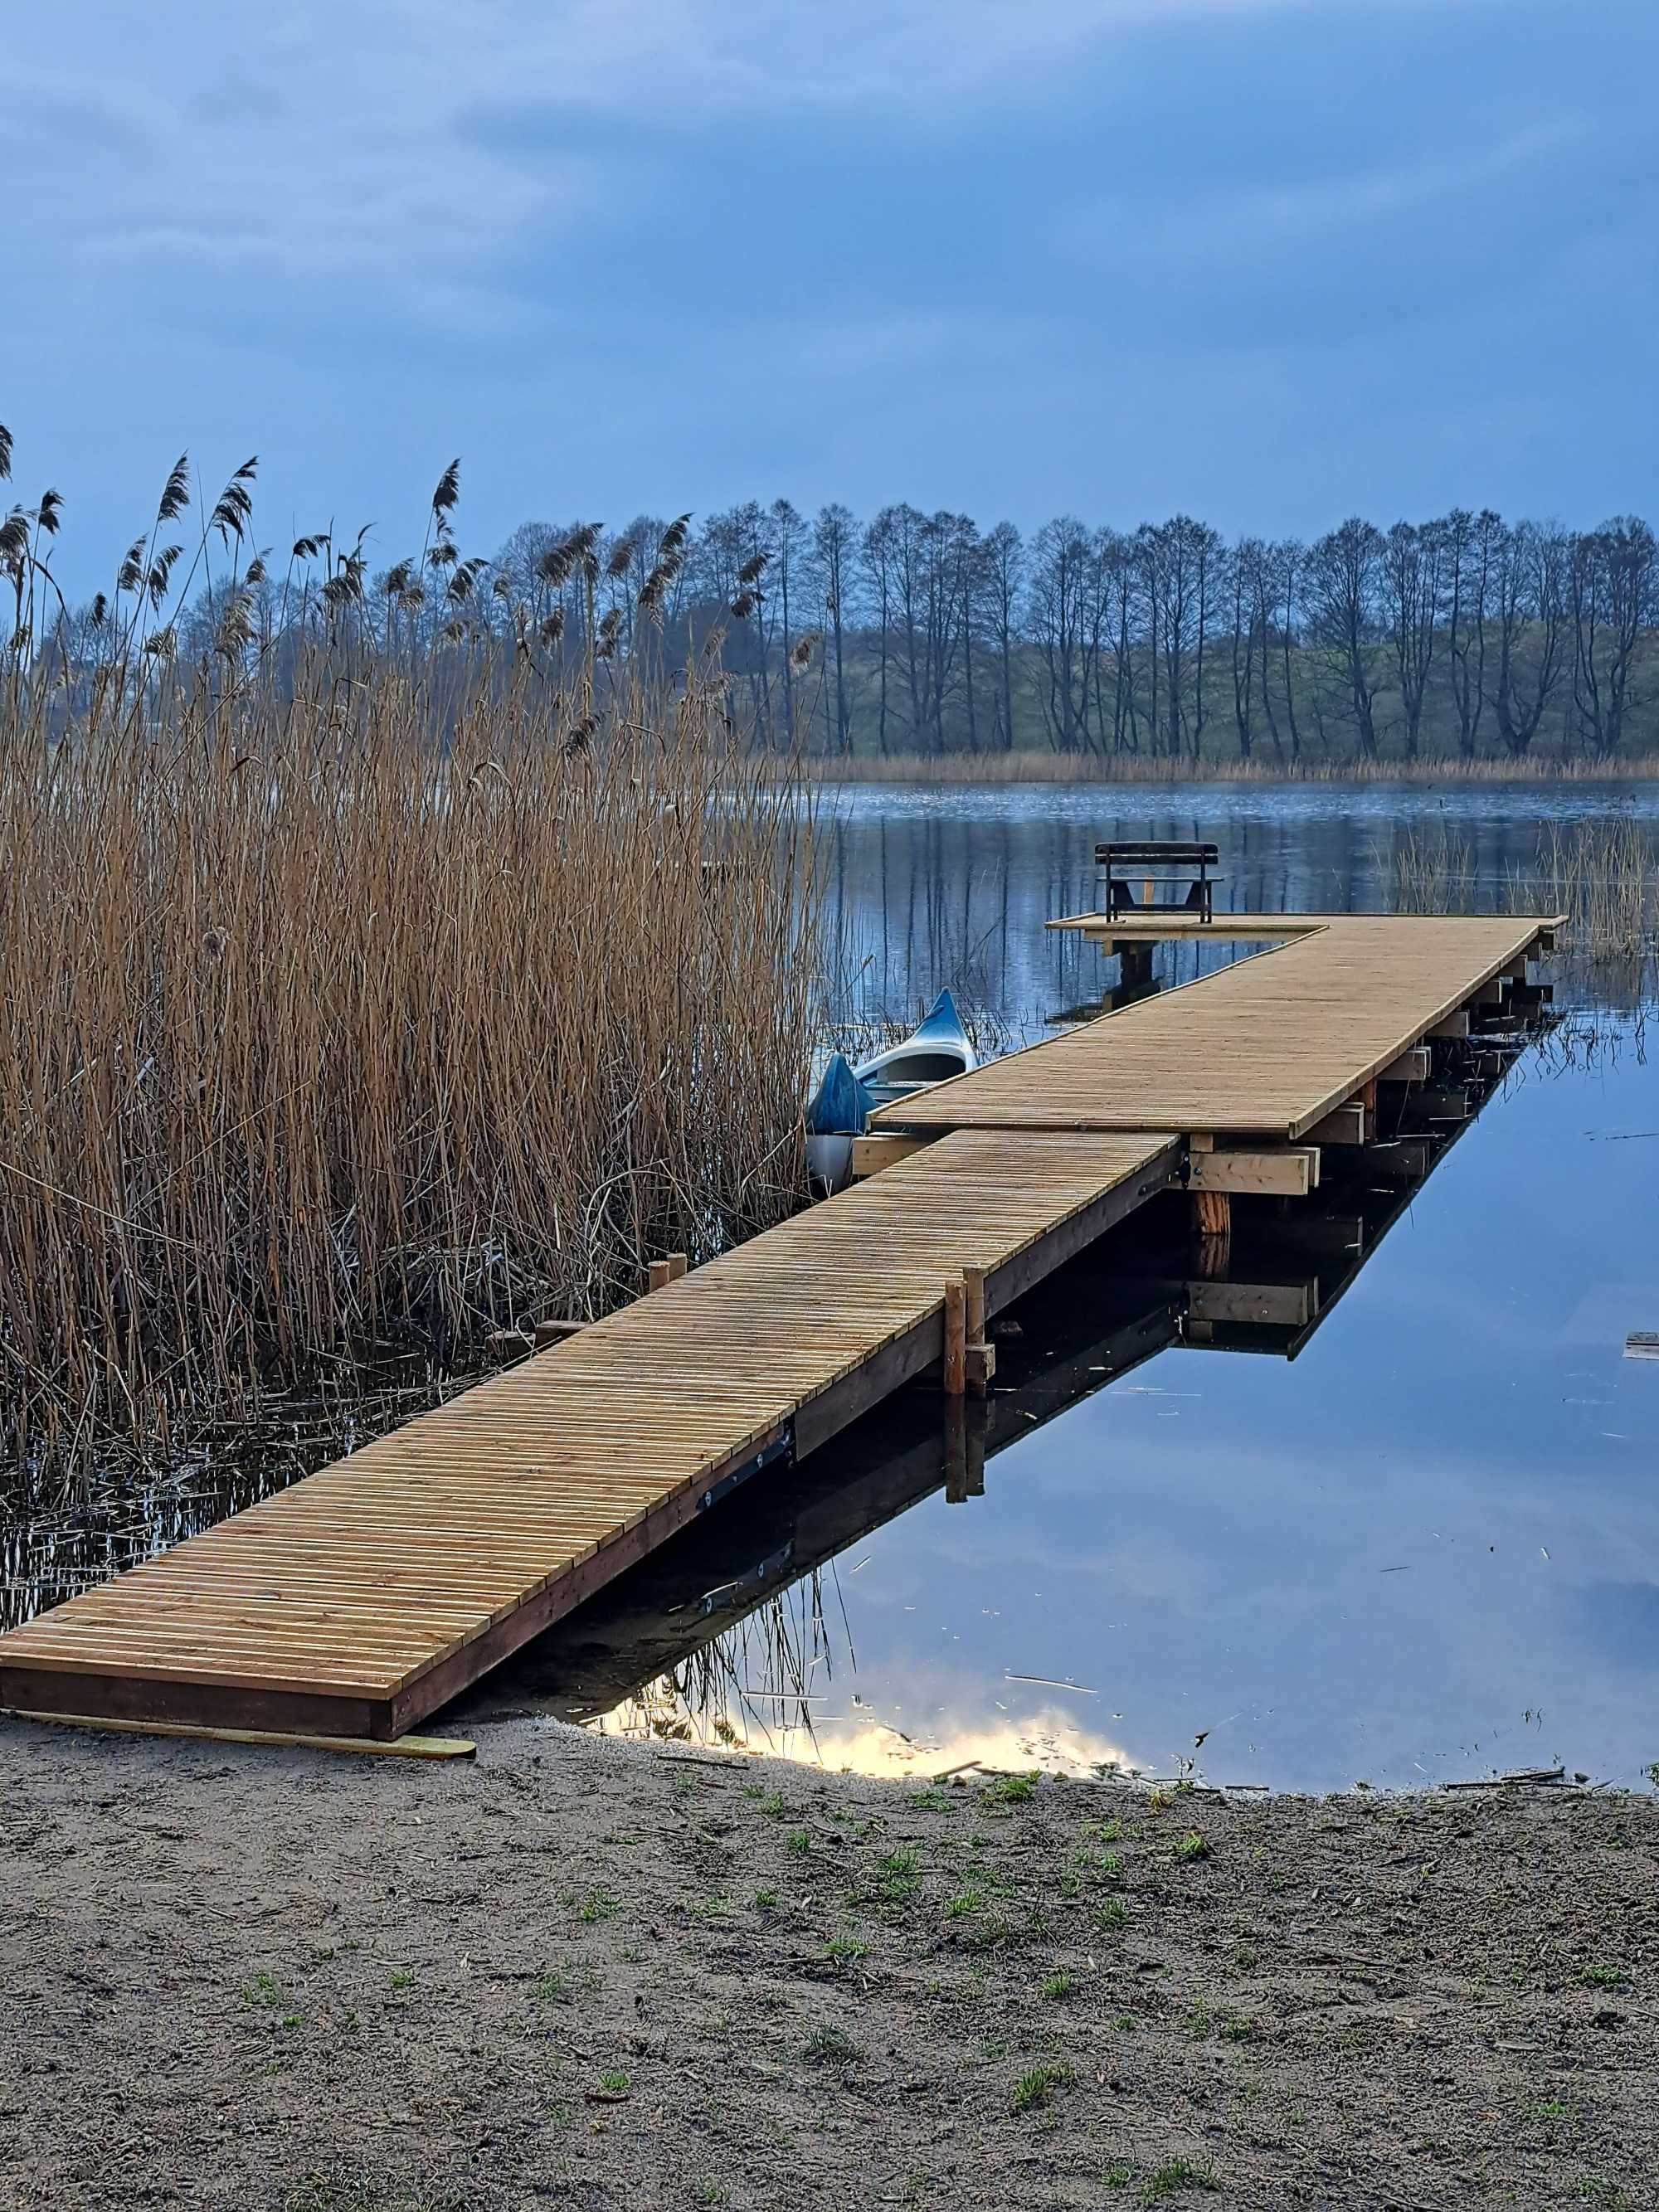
1427,1547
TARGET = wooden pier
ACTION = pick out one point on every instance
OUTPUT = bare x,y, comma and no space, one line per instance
363,1599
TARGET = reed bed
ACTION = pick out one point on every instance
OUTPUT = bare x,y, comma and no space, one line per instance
1601,874
320,1038
1080,768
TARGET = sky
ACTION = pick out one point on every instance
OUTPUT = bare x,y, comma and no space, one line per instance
1268,261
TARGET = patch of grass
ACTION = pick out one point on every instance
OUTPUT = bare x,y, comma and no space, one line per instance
799,1843
1192,1845
1551,2112
1111,1912
598,1905
831,2047
1104,1866
1009,1789
1197,2022
1179,2174
965,1902
1653,1773
1058,1985
931,1800
1035,2089
845,1949
1119,2174
403,1979
1604,1977
615,2085
1234,2026
1601,2192
710,2192
265,1991
1168,1794
766,1901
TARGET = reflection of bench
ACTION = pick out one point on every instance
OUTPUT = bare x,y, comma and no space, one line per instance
1158,853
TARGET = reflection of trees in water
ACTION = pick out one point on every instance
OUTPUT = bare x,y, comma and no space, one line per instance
753,1685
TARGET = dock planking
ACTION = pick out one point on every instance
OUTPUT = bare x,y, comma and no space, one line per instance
366,1596
360,1600
1266,1047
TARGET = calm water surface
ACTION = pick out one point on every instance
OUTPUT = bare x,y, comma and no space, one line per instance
1427,1548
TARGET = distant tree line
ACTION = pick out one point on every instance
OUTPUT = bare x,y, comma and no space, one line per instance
922,634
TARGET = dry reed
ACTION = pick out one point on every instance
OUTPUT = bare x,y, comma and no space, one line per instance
317,1033
1600,874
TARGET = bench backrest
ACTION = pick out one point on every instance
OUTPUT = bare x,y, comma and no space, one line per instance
1154,851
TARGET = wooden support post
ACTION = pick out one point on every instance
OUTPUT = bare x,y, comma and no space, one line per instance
1135,959
975,1455
978,1354
1454,1025
1213,1212
677,1266
657,1276
956,1339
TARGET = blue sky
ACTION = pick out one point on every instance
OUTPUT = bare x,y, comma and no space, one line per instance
1269,260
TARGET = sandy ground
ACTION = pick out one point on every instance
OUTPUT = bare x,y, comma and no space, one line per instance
587,1974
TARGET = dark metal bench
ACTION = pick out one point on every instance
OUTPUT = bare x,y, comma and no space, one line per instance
1196,897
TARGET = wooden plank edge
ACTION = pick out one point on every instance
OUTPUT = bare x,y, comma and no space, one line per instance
408,1746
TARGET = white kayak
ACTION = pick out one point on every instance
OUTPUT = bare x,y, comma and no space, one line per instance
932,1053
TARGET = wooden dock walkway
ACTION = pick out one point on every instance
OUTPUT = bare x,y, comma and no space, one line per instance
363,1598
1265,1049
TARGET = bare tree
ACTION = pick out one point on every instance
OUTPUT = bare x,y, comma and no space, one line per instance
1471,543
1531,565
1411,592
1005,561
1345,567
1611,584
833,543
788,543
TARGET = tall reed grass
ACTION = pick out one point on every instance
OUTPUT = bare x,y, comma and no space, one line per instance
1600,874
316,1033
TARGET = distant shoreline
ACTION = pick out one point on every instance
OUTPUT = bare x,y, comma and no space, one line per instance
996,768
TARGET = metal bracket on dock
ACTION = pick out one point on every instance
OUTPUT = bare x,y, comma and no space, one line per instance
781,1447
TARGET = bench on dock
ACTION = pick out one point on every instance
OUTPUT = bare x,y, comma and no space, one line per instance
1196,897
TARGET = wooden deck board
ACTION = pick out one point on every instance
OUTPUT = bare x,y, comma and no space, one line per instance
378,1573
1265,1047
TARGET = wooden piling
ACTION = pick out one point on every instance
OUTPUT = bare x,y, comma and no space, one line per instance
1213,1212
955,1339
